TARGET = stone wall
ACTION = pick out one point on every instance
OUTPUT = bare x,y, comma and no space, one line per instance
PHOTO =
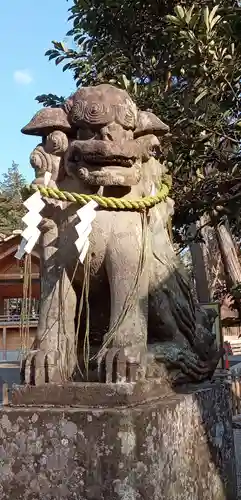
175,448
237,443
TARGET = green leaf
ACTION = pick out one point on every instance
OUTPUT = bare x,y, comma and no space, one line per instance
179,11
194,19
70,33
199,173
189,14
59,60
66,66
213,12
201,96
214,21
58,45
174,20
125,82
206,17
53,56
198,82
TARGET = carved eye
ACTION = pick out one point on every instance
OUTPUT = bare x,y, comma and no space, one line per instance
85,134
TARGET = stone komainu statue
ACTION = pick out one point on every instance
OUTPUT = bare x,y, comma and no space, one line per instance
133,296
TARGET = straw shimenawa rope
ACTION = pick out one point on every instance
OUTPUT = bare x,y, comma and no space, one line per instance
109,203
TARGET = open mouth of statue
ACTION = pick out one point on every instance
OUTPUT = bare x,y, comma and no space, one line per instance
100,154
109,175
95,161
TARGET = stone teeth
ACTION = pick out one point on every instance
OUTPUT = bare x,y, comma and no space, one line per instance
102,161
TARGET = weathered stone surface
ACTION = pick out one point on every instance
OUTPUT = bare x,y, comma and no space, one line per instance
89,394
237,443
179,448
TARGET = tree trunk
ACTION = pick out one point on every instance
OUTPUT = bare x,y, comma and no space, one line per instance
207,261
199,263
214,261
229,254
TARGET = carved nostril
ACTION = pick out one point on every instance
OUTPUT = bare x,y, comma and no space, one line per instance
105,135
108,137
156,151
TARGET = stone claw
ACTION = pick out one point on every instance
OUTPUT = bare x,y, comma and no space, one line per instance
39,368
190,366
114,366
27,375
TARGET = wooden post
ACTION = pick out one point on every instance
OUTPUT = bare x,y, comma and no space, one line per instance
238,394
199,267
233,388
229,253
5,395
4,342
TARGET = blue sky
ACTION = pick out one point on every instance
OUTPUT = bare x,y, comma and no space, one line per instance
26,30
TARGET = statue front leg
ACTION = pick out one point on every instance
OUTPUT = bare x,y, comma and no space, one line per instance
53,359
128,279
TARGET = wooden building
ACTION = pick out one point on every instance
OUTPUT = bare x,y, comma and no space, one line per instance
11,298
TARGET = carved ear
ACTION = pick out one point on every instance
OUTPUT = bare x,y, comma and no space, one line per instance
46,121
148,123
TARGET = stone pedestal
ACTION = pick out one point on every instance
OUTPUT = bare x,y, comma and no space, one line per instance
176,448
237,443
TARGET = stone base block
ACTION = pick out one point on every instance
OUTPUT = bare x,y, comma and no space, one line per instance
176,448
89,394
237,443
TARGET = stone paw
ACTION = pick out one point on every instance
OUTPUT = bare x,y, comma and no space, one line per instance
40,368
114,366
190,367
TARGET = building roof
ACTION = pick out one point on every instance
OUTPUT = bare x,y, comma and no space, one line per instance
229,314
4,237
9,244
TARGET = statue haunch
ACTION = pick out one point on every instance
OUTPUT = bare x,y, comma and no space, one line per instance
139,298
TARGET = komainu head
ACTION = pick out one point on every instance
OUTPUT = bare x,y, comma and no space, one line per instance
108,137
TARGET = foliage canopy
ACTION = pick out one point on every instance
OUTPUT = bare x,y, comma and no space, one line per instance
11,204
183,62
